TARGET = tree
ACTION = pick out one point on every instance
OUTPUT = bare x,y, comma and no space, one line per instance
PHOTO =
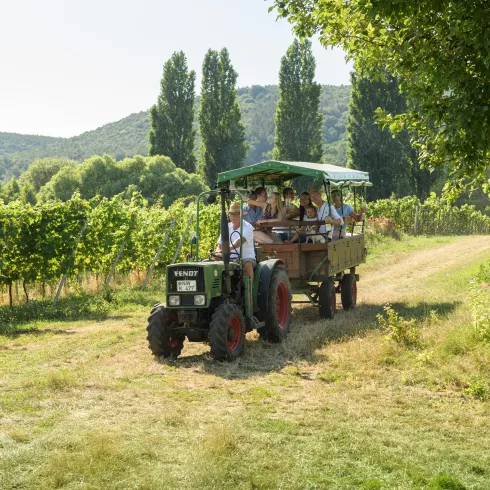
223,144
440,52
63,185
391,161
11,191
27,193
171,119
298,136
42,170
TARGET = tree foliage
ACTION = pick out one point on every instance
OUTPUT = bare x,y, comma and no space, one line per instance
41,171
171,119
156,178
440,52
223,144
298,132
391,161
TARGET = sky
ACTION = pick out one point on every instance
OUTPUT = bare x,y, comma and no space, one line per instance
70,66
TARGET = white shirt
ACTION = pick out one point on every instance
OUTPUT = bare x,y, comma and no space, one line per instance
247,247
312,230
323,213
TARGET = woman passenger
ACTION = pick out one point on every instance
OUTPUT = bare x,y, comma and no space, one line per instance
273,209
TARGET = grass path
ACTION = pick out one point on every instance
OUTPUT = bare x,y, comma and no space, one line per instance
397,276
84,405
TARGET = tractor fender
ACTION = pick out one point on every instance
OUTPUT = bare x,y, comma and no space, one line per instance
262,277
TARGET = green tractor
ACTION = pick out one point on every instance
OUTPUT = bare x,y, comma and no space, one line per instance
213,301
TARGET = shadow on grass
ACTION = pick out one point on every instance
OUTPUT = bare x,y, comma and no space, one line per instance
307,334
76,307
35,331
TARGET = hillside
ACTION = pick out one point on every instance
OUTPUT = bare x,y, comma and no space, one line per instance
14,143
129,136
120,139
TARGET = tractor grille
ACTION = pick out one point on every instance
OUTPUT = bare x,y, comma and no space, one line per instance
179,273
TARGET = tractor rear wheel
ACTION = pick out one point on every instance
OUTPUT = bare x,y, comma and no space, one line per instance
348,291
278,314
227,332
327,301
162,341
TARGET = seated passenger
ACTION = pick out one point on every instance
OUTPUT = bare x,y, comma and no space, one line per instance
347,213
273,209
290,210
326,212
247,241
308,234
254,212
304,200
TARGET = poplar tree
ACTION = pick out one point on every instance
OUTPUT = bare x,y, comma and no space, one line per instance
171,119
390,159
298,135
223,144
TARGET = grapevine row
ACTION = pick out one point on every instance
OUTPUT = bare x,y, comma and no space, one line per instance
41,243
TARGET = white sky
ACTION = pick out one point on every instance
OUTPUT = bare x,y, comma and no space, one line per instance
69,66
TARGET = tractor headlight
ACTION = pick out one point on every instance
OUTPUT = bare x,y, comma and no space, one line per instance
199,299
174,300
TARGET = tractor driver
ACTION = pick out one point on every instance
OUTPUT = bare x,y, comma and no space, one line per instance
247,241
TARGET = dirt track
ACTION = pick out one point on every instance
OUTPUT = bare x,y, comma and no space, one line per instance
400,274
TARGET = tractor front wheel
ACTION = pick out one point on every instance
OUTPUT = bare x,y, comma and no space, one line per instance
327,301
162,341
227,332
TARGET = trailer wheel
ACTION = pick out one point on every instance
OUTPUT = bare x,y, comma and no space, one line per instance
348,291
327,301
278,314
227,332
160,338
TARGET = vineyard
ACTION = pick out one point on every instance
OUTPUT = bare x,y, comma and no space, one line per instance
433,217
49,243
43,243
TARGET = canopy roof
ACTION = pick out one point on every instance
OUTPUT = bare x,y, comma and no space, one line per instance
275,173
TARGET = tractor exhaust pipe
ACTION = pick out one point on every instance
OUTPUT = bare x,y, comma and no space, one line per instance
225,242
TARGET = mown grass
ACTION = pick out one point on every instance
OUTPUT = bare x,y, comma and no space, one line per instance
337,405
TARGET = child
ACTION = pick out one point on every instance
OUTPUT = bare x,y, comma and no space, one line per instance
311,215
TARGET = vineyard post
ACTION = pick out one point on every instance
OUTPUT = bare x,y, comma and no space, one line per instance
63,279
150,270
114,265
177,251
416,219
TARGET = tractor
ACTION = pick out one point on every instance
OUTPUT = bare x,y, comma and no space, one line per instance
210,300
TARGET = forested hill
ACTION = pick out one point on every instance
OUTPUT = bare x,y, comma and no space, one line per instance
129,136
14,143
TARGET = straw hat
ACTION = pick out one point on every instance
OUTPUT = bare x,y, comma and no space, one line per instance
235,208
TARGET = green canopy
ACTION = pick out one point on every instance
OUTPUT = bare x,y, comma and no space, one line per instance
275,173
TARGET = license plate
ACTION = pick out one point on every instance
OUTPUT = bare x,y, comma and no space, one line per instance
185,286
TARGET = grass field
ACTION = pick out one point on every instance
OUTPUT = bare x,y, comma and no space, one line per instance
83,405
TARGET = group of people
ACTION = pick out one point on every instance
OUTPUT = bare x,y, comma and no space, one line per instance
261,207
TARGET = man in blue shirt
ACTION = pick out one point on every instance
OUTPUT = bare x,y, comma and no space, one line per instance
347,213
254,213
